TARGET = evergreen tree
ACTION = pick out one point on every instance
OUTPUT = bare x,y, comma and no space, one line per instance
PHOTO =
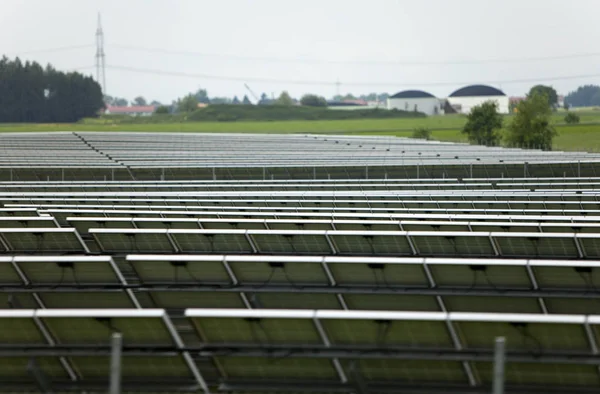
31,93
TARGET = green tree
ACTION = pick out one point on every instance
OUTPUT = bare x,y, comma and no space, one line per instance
547,91
531,126
265,100
246,100
284,99
139,100
32,93
595,100
120,102
155,103
235,100
422,133
162,110
202,96
484,124
188,103
572,118
312,100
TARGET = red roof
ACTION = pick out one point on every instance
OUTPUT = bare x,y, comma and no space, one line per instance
357,102
132,109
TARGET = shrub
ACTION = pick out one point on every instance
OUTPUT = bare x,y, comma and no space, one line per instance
422,133
162,110
572,118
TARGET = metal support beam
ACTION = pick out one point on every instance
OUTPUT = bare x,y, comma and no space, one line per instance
39,376
333,283
499,359
332,288
304,386
451,330
235,282
66,364
195,371
371,352
536,287
122,279
115,363
336,362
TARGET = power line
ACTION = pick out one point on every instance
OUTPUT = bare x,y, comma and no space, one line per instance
57,49
329,83
358,62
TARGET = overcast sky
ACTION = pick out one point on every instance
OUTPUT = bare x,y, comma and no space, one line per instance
275,45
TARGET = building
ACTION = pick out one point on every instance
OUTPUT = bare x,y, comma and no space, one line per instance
463,100
348,105
415,100
138,110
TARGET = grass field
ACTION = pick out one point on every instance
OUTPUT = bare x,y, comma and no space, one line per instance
582,137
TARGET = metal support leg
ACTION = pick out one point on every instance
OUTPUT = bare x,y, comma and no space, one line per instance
499,358
38,375
115,363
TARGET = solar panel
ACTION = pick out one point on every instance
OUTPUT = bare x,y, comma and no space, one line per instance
84,335
28,221
138,240
41,240
58,280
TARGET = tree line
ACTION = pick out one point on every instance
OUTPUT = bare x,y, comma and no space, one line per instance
190,101
584,96
32,93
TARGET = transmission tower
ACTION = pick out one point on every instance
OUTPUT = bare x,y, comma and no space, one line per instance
100,58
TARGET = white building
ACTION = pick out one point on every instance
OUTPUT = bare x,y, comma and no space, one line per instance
463,100
415,100
136,110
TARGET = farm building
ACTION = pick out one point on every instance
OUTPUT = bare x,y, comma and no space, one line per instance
139,110
464,99
347,105
415,100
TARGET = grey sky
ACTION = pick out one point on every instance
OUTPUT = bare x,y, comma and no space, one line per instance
357,41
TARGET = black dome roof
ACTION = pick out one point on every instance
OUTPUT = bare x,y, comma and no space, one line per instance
477,90
413,94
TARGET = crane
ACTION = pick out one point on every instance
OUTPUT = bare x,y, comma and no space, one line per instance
252,93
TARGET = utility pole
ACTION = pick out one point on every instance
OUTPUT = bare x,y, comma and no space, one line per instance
100,57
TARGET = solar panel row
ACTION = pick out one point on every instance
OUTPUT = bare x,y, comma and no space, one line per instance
307,278
302,346
142,156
